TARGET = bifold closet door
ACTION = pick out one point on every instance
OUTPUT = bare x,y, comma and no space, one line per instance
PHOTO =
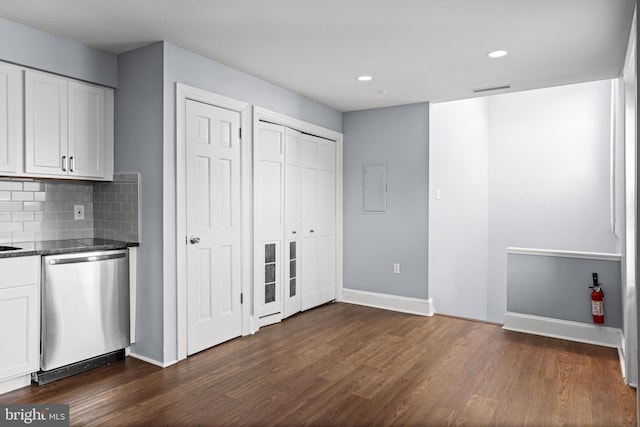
309,222
326,222
295,222
269,222
292,193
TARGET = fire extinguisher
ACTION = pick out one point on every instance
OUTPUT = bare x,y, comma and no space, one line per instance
597,307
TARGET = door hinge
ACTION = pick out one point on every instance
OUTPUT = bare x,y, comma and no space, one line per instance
241,298
240,133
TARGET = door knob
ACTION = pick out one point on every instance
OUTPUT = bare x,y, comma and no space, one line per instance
194,239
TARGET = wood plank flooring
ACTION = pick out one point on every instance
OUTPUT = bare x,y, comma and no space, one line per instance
348,365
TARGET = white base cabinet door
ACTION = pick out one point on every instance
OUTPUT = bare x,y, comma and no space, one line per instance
19,316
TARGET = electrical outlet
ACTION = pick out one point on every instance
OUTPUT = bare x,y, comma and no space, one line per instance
396,268
78,212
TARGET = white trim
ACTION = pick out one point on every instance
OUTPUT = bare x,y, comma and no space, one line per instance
269,319
133,285
630,272
15,383
565,254
253,325
563,329
184,92
417,306
260,113
339,218
153,361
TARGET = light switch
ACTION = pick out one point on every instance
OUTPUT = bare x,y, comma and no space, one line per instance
396,268
438,194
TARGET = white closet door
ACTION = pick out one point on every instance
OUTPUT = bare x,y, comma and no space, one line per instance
291,290
326,221
269,222
309,219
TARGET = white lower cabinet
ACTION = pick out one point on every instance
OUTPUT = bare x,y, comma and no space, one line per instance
19,321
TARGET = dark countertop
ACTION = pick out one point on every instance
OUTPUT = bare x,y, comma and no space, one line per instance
54,247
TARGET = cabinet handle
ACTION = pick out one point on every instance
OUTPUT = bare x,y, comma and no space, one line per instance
294,231
64,163
310,231
72,164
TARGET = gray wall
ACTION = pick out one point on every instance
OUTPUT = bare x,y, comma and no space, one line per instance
194,70
548,187
398,136
146,143
557,287
458,221
139,148
34,48
549,176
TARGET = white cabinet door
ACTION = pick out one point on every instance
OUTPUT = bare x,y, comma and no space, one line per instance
19,316
269,222
10,119
86,130
46,138
68,128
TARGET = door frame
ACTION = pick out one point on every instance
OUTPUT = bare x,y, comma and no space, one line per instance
184,93
259,114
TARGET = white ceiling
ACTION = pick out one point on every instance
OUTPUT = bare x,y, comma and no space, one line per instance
416,50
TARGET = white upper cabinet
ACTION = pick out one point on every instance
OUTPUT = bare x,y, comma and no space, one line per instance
86,130
68,128
46,124
10,119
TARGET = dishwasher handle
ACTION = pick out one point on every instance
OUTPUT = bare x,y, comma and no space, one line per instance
90,258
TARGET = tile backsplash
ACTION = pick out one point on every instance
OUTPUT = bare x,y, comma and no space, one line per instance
116,208
37,210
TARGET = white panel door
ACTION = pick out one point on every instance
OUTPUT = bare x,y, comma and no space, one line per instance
213,226
291,288
10,119
326,220
269,222
45,124
309,285
86,130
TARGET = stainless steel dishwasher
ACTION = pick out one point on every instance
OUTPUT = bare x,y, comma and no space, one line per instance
85,311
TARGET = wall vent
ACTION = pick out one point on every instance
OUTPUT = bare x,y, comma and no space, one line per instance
487,89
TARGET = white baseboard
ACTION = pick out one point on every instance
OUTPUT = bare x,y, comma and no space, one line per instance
253,325
564,329
15,383
152,361
417,306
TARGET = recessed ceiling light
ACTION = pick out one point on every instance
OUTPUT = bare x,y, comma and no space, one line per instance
497,53
365,78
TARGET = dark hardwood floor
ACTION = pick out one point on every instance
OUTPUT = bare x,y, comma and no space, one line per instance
343,364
